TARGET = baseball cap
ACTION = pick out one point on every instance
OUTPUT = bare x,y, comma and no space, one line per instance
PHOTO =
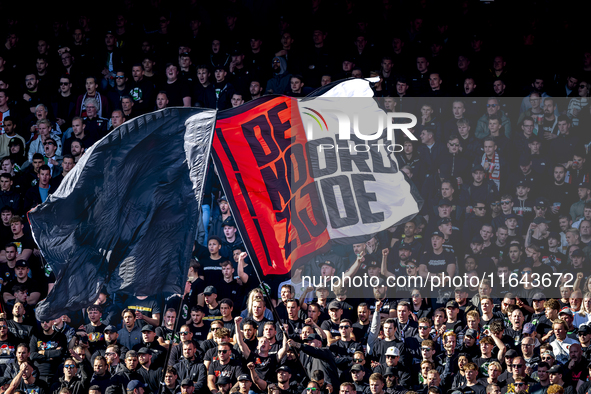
548,353
219,67
222,198
134,384
148,327
584,329
437,234
540,219
477,167
187,382
477,239
356,367
393,351
539,297
511,216
452,304
312,337
541,201
210,290
511,353
578,253
284,368
335,305
229,222
529,328
534,138
405,246
144,350
390,371
555,369
21,263
566,310
444,202
244,377
443,221
110,328
471,333
326,262
585,185
522,183
222,380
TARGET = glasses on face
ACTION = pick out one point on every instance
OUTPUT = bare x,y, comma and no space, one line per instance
450,144
416,296
358,360
410,267
480,208
120,76
423,328
184,332
110,354
223,351
345,327
546,358
517,365
582,86
491,105
311,389
426,349
540,207
215,328
519,384
390,356
525,272
64,83
526,345
3,328
506,202
495,204
69,366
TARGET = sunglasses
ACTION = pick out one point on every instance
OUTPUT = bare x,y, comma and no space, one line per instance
358,360
110,354
120,76
506,202
416,296
184,332
345,327
423,328
64,83
223,351
426,349
540,207
491,105
517,365
519,384
412,267
389,356
450,144
69,366
479,208
582,86
311,389
495,204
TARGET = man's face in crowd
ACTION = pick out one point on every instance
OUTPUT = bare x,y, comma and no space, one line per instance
161,101
499,87
91,110
422,64
469,85
492,106
220,74
549,107
126,104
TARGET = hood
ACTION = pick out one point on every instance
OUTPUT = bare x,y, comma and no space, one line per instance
282,63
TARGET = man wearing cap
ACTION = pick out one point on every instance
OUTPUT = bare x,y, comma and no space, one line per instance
147,370
149,341
284,382
211,303
331,327
556,375
135,387
436,260
358,379
217,223
315,357
21,277
378,347
231,239
244,384
584,336
187,386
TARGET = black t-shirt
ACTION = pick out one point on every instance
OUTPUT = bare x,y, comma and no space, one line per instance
6,273
31,284
211,269
331,327
166,334
96,337
231,290
21,332
7,350
437,263
200,333
24,242
360,332
231,370
265,367
148,307
213,314
175,92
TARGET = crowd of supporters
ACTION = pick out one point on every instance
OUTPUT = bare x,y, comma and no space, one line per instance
499,154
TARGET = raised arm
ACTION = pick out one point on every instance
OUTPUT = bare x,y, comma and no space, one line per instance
240,336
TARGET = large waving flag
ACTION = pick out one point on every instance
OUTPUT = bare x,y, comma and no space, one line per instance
296,187
125,216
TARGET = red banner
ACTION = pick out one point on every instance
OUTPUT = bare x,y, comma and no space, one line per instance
260,155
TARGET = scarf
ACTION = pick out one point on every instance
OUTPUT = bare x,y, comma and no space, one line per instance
494,169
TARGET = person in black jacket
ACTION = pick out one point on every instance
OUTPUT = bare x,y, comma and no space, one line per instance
191,366
76,384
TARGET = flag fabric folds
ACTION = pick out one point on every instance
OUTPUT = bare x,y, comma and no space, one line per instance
295,188
125,217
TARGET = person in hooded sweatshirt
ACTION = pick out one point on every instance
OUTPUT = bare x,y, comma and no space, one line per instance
280,82
218,95
48,346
